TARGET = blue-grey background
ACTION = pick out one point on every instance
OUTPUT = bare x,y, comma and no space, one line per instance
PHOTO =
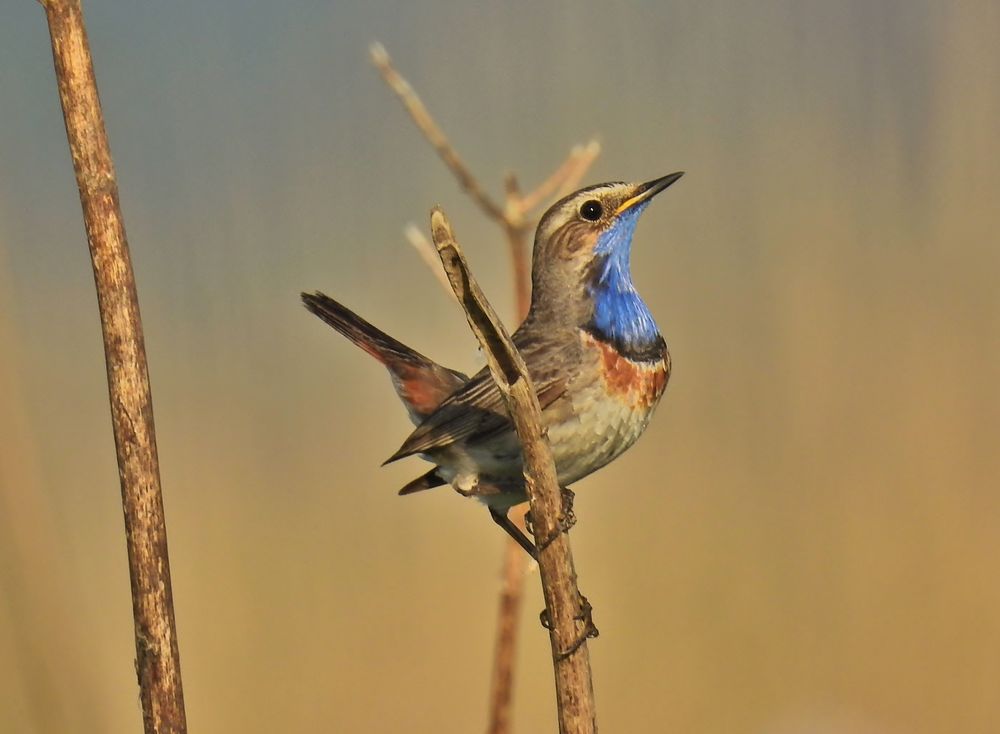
804,541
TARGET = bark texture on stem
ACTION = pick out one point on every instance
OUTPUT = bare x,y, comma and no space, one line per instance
566,610
517,221
157,659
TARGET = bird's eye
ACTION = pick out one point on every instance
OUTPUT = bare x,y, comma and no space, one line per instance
591,210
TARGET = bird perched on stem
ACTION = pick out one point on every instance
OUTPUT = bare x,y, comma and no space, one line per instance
596,357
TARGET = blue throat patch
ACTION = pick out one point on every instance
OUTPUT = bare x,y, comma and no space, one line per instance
620,315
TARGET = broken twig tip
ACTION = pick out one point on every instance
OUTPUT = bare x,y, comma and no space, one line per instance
412,232
378,54
441,229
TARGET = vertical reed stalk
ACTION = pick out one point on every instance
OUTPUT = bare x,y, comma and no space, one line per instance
157,657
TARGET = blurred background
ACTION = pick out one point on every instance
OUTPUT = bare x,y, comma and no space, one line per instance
805,540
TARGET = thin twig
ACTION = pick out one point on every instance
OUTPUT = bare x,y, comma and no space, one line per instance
565,178
423,120
567,612
157,658
517,227
584,158
418,240
515,564
517,245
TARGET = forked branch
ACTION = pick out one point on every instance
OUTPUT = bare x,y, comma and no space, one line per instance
517,218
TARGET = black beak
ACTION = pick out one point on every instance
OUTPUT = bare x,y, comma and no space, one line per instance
646,191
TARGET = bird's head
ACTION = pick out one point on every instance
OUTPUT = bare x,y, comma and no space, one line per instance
583,244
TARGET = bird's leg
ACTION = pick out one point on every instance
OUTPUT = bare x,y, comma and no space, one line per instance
501,519
586,616
567,519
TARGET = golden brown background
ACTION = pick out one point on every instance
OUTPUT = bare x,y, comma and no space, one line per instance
807,539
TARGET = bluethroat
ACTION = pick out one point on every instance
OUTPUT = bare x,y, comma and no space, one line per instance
597,359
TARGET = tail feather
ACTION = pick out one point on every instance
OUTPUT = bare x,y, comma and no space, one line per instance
370,338
421,383
427,481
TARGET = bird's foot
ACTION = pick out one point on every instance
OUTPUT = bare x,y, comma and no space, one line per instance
568,518
565,521
586,616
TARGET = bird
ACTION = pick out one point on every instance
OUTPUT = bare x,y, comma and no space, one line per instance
596,357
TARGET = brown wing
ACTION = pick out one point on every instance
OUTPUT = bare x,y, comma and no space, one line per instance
476,410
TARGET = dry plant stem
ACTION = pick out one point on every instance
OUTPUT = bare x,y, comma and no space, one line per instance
514,219
517,230
582,158
157,659
564,605
565,179
423,120
517,239
515,564
515,561
419,242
